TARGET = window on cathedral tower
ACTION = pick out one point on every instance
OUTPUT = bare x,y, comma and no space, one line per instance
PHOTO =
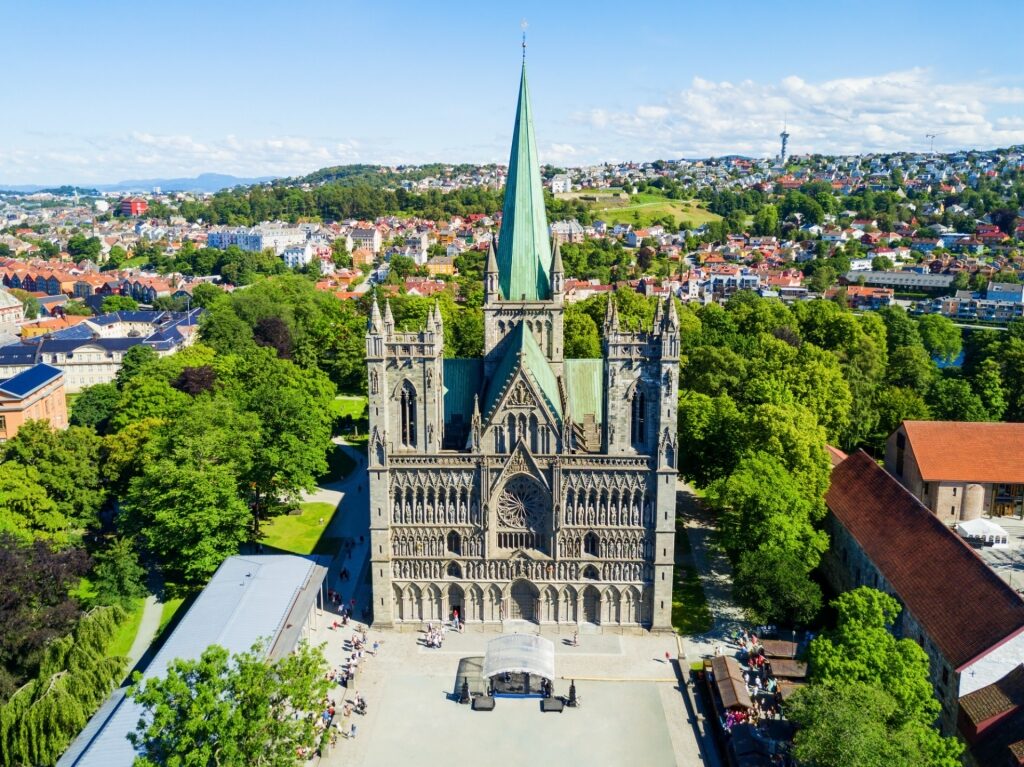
590,544
638,423
408,406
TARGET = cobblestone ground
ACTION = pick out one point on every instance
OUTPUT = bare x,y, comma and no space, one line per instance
715,576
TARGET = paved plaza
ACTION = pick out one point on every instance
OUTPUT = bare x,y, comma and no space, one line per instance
632,709
1008,562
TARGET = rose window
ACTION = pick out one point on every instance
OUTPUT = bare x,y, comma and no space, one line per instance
521,505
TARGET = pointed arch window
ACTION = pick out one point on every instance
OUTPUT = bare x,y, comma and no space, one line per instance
454,570
590,573
638,421
407,403
591,544
454,542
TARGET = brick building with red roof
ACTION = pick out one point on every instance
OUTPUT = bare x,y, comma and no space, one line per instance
964,616
960,470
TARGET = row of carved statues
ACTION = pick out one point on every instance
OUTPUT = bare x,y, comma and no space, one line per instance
520,568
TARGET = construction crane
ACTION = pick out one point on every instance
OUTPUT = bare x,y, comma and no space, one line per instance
931,137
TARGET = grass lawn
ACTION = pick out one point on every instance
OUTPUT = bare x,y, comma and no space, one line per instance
299,533
348,405
642,208
167,613
123,638
690,612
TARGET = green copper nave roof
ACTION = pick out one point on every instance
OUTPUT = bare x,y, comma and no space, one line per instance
524,252
521,350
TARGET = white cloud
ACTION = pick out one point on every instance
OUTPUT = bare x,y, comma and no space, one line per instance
102,160
888,112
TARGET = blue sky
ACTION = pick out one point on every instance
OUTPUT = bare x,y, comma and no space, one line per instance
103,91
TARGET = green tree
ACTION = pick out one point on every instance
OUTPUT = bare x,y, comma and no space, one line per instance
190,518
882,264
68,466
75,675
134,360
117,576
766,523
987,383
823,278
29,303
940,336
80,246
863,649
231,711
76,308
581,336
911,367
853,724
951,399
340,254
26,511
119,304
145,396
115,258
205,294
294,410
896,405
94,406
766,221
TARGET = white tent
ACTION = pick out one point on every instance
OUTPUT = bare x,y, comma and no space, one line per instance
520,654
985,532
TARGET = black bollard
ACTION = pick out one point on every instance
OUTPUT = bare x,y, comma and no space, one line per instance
464,695
572,694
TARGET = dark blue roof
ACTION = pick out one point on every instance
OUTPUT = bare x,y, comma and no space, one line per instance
19,354
29,380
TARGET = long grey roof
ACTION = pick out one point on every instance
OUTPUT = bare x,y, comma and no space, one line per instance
248,598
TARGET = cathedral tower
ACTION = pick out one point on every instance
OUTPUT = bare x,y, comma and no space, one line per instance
523,485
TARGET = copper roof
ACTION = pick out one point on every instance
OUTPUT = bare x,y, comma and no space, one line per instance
1000,697
967,451
922,559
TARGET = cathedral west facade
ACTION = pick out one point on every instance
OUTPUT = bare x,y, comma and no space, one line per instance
523,485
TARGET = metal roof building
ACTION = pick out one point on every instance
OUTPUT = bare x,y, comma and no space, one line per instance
272,597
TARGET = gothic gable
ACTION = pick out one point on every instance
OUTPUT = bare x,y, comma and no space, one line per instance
521,462
520,396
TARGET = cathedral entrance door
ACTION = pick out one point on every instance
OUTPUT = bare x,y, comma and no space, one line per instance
591,605
456,603
524,601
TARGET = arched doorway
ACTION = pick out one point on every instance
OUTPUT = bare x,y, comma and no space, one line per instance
524,601
591,605
456,602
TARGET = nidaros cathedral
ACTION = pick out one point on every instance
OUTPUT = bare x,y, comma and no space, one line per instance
523,485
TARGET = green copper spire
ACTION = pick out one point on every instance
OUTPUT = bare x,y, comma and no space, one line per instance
524,253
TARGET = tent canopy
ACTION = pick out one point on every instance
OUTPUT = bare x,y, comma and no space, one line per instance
520,654
983,530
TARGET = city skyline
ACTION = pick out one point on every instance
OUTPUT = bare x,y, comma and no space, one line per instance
269,94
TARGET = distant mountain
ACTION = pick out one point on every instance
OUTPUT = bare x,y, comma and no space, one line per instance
205,182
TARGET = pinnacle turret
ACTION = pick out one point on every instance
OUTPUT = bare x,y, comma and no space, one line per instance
375,320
